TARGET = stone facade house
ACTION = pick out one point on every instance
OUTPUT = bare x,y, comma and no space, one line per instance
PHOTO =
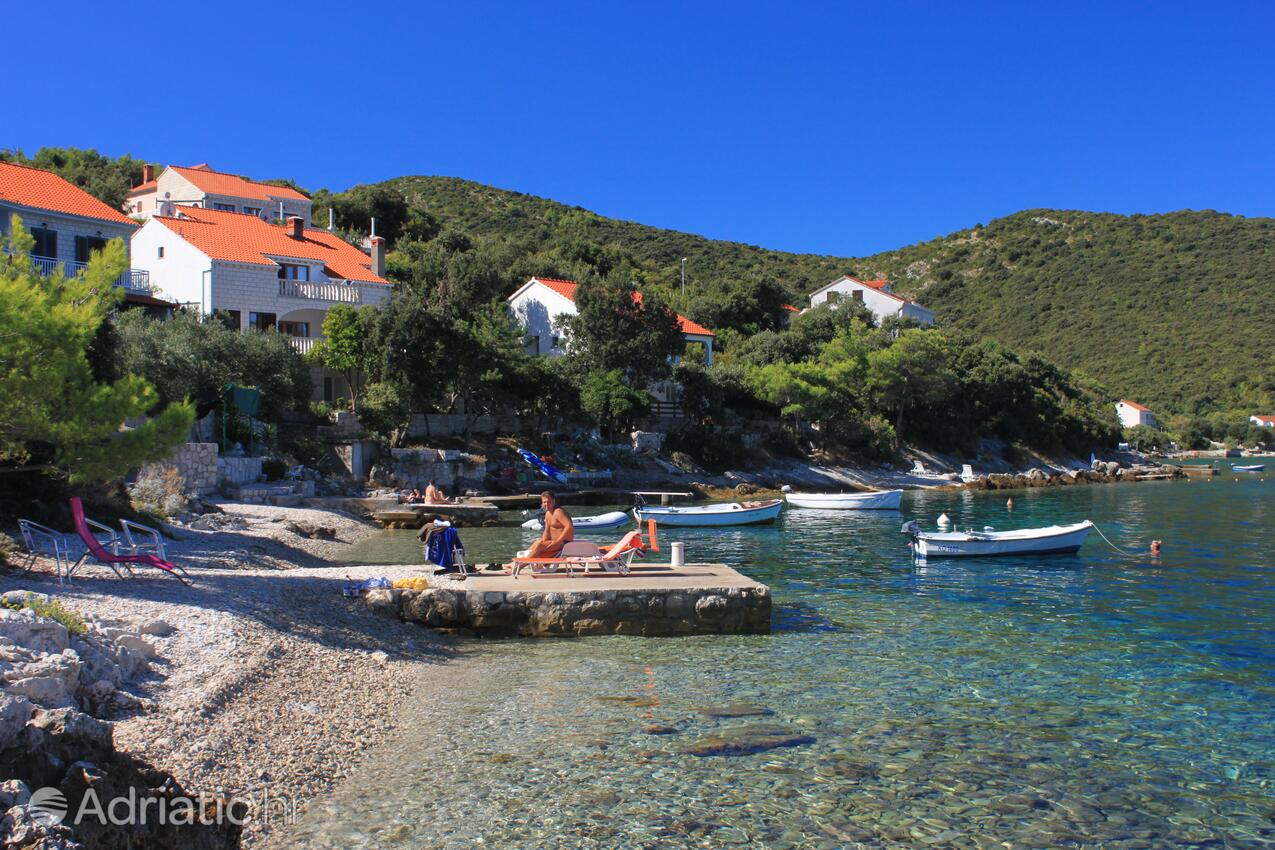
201,186
876,295
68,224
259,276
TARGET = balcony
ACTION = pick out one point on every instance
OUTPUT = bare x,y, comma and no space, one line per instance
334,291
301,344
132,280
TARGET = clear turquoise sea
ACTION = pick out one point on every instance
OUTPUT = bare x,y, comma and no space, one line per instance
1091,700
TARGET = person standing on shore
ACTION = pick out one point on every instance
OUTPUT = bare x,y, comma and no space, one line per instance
558,529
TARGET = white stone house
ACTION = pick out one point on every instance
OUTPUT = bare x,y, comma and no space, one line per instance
1263,421
68,225
876,295
259,275
541,301
200,186
1131,413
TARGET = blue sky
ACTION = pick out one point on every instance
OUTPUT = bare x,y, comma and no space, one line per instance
830,128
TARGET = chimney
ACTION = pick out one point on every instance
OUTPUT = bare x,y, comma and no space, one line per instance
295,223
378,256
148,173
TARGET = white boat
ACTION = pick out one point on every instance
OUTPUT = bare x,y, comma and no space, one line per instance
1024,541
611,519
883,500
727,513
1255,467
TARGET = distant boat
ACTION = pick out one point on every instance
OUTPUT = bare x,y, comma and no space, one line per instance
1256,467
884,500
1052,539
612,519
727,513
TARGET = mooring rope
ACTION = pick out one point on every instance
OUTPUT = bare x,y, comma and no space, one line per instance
1124,552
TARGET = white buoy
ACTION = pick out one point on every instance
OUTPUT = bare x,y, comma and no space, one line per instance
944,521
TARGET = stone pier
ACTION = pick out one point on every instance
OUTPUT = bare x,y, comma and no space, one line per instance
654,600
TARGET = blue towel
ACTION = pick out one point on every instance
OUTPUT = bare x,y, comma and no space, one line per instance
443,547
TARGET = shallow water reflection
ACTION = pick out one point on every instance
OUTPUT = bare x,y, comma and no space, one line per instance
1092,700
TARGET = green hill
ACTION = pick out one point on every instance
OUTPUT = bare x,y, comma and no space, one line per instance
1172,309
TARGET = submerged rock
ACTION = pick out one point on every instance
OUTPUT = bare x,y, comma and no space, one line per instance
737,710
746,740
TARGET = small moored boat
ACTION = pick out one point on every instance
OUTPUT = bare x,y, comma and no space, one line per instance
1254,467
1050,540
884,500
611,519
728,513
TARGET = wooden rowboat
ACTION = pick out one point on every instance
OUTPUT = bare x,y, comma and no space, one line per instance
1054,539
728,513
881,500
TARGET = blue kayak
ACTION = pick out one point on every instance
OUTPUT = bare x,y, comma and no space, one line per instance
545,469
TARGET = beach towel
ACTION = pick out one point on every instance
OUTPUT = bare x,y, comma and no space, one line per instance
443,547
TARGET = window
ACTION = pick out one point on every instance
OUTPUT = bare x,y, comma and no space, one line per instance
229,318
557,340
46,242
261,321
834,296
532,344
301,329
857,295
86,245
252,211
161,252
224,207
291,272
327,389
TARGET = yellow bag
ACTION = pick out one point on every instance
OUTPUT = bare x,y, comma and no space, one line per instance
417,583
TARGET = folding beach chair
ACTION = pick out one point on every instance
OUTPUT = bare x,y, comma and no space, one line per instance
42,540
98,552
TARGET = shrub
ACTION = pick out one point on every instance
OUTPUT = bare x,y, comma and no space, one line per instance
320,410
274,468
8,548
52,609
159,489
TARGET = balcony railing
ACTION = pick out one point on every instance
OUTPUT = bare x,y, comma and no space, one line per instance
301,344
335,291
133,280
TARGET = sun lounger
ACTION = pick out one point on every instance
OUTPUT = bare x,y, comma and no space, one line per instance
617,559
98,552
141,539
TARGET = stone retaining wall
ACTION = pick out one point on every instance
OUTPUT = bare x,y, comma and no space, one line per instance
641,611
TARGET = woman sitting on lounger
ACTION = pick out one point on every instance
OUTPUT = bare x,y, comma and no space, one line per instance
559,530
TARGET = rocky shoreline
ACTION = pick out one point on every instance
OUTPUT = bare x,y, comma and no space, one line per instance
269,689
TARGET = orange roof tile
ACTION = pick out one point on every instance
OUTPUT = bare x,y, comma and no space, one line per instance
1135,405
44,190
247,239
1265,420
219,183
567,289
143,188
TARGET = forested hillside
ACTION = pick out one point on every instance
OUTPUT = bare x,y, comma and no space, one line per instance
1170,309
1174,310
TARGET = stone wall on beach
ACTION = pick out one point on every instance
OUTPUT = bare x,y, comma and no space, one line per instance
639,611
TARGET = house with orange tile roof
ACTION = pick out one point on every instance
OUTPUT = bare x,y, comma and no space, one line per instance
259,276
201,186
1262,421
541,301
68,224
876,295
1131,413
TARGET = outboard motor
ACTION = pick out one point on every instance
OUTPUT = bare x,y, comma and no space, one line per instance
911,529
